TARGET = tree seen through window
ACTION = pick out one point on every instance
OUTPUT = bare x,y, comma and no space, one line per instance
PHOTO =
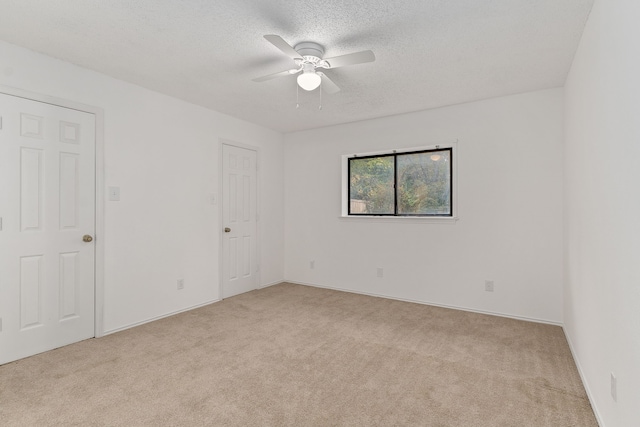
406,184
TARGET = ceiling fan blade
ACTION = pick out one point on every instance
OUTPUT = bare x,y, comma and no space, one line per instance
351,59
285,47
328,85
275,75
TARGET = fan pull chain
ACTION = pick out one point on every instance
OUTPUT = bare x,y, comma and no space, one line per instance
320,106
297,96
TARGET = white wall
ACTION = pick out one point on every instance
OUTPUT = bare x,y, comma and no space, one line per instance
602,209
510,209
164,154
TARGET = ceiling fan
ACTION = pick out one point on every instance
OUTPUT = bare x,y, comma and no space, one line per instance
308,60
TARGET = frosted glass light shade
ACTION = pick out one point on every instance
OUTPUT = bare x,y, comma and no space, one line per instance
309,80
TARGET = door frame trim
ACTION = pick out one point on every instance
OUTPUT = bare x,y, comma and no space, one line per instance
222,142
99,260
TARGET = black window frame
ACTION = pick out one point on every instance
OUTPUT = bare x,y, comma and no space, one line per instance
395,155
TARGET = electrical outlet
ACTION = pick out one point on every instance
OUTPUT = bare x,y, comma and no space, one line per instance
614,387
114,194
488,285
180,284
380,272
312,264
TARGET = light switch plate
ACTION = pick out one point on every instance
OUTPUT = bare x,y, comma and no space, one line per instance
614,387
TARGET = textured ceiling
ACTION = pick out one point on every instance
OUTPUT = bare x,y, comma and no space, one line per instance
429,53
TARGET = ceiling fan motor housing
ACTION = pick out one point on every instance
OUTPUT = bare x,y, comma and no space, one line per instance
310,49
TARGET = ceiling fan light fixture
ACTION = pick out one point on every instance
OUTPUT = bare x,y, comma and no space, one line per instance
309,80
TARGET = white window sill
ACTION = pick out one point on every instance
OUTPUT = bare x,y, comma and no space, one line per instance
401,219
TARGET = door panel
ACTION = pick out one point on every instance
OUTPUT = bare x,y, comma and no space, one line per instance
239,199
47,203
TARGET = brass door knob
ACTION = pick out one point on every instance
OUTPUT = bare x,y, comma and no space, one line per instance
227,229
87,238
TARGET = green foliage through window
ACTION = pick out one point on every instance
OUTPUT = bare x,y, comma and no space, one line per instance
405,184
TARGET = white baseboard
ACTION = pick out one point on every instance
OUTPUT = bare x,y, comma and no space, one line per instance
270,284
142,322
585,383
455,307
132,325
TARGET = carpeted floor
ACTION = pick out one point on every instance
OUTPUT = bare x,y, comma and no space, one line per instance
291,355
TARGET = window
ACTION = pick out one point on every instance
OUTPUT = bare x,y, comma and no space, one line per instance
414,183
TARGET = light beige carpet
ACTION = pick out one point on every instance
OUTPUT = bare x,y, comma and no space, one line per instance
292,355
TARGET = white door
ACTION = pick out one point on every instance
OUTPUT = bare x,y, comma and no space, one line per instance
239,219
47,205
